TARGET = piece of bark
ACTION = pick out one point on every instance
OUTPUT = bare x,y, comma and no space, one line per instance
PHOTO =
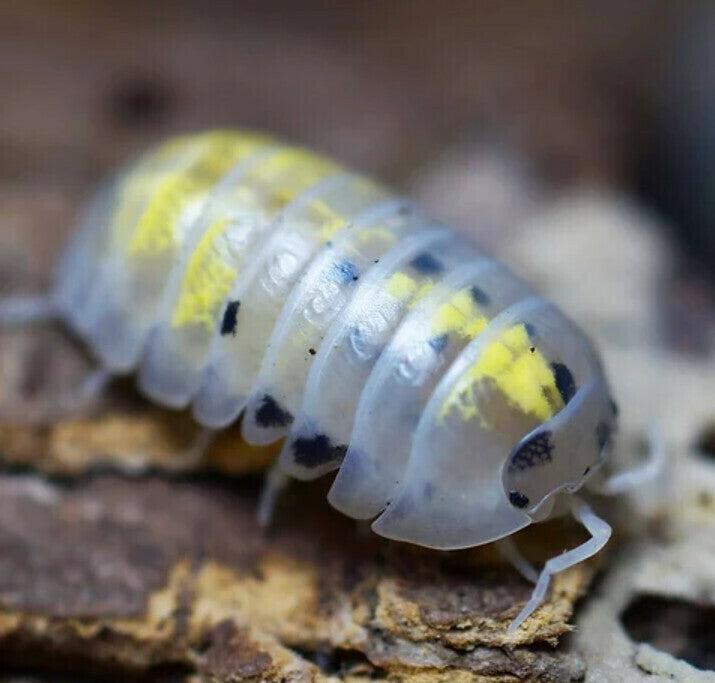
110,574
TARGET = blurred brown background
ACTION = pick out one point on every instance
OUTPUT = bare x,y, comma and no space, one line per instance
488,112
574,89
387,86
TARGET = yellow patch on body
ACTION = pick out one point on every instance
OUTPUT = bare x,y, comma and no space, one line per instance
184,186
520,372
282,176
460,315
400,286
382,237
264,189
206,283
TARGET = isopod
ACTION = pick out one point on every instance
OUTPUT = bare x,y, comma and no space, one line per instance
238,275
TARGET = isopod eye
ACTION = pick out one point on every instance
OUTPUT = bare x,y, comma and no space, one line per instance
561,453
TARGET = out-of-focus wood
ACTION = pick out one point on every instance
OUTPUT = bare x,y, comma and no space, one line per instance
113,575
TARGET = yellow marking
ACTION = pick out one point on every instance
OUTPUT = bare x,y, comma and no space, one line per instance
424,289
137,186
285,174
400,286
360,193
460,315
276,180
517,369
407,289
329,221
207,281
187,184
378,234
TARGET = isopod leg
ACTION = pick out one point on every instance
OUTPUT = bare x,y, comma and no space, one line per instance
30,309
600,533
275,483
511,553
628,480
93,386
198,447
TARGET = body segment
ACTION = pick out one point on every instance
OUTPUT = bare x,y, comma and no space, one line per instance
239,275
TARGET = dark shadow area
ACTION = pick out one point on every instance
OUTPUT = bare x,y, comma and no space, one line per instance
140,101
684,629
705,443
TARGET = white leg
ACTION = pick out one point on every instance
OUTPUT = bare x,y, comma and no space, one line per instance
511,553
196,451
600,533
23,310
651,469
274,484
94,385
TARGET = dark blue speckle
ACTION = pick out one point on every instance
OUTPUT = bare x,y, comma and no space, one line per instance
230,318
565,382
535,450
272,414
518,500
346,272
479,296
439,343
317,450
426,264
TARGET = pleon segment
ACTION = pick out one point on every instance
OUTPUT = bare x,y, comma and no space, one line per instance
146,239
242,212
319,437
315,302
259,292
115,207
455,312
520,372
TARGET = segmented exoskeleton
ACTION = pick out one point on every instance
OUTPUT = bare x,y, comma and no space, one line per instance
240,275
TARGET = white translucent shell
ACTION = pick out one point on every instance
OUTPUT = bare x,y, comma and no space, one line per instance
321,432
315,302
337,294
451,493
401,383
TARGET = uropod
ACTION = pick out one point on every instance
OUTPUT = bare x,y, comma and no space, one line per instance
242,276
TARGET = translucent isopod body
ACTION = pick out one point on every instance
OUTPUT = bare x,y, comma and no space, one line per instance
241,276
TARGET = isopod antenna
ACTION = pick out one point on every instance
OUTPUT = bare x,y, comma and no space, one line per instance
27,309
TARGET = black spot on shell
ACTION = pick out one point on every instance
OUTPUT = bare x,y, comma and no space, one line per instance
479,296
230,318
614,408
518,500
534,451
272,414
439,343
427,264
346,272
316,451
565,382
